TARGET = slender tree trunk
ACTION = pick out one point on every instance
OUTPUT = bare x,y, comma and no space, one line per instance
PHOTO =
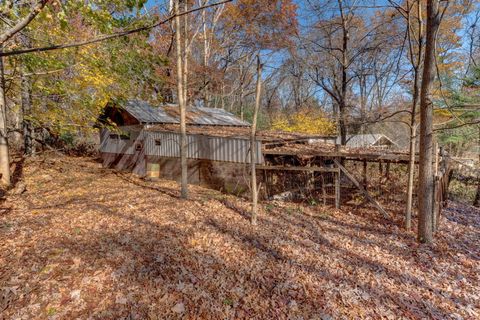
342,125
4,156
240,100
411,174
425,228
413,122
185,53
16,139
205,60
253,149
345,62
181,104
476,202
27,129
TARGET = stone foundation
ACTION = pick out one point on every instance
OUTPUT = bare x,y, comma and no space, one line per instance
228,177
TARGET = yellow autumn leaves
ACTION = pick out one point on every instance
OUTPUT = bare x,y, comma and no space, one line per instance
305,121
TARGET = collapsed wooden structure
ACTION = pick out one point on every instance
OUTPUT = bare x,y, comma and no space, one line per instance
336,175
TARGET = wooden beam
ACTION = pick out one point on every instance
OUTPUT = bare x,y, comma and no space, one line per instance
295,168
337,188
362,190
395,158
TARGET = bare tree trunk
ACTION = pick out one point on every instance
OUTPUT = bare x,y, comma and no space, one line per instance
185,52
4,156
425,206
27,129
205,60
181,104
416,93
16,137
342,125
240,100
343,99
4,37
476,202
411,174
253,148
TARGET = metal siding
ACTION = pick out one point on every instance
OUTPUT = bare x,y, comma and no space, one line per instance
119,146
201,147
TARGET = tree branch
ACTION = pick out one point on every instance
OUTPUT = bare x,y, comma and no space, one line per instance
8,34
108,37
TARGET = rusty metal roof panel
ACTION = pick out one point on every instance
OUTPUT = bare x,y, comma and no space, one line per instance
146,113
169,113
218,117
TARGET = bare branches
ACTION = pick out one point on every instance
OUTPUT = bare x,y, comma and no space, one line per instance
9,33
110,36
460,125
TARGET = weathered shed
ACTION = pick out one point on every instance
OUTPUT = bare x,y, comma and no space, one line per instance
145,139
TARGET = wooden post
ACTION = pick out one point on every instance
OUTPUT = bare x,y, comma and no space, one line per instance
362,190
310,179
337,179
324,192
265,178
365,181
337,190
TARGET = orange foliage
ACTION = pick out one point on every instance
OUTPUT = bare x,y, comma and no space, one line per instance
264,24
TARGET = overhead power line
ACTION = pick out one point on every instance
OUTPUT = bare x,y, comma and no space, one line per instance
110,36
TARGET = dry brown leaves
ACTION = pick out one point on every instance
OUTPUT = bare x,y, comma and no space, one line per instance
235,132
85,242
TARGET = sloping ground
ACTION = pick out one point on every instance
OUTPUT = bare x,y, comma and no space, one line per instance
84,242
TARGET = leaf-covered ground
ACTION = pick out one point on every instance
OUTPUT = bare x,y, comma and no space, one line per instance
85,242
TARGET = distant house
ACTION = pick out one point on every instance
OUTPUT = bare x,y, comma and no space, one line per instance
371,140
395,129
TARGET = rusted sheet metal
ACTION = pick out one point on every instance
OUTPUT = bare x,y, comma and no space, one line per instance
169,113
211,116
146,113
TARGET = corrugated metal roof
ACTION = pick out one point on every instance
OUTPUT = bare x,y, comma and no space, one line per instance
367,140
170,113
210,116
143,112
397,131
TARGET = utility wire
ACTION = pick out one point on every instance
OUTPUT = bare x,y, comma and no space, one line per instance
110,36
